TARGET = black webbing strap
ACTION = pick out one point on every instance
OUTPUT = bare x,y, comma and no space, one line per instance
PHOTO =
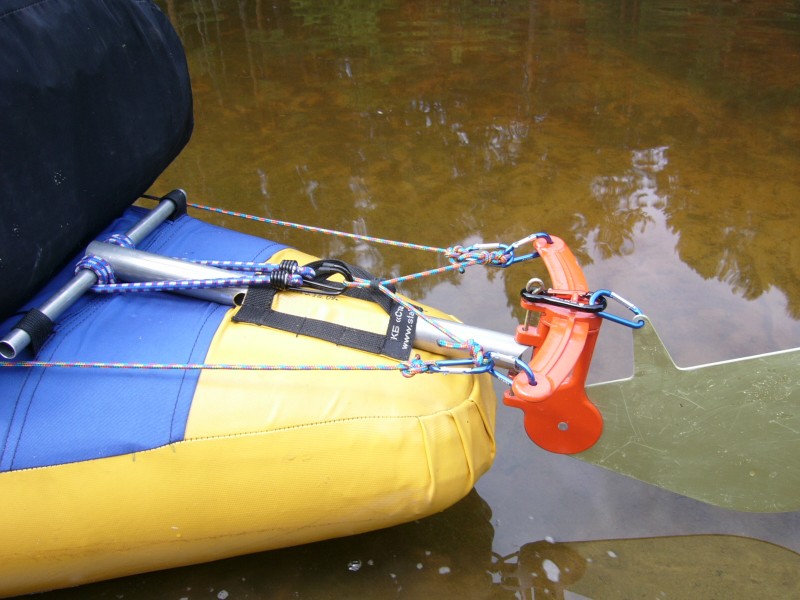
38,326
395,343
178,198
371,293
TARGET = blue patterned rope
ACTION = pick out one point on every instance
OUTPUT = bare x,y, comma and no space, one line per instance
175,285
366,238
98,266
247,266
193,366
407,368
460,257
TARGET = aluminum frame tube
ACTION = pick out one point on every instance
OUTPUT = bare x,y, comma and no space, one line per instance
137,266
503,346
17,339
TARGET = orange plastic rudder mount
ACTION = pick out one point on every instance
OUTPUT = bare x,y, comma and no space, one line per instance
559,416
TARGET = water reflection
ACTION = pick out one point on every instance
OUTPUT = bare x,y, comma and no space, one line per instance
626,569
542,111
625,198
450,555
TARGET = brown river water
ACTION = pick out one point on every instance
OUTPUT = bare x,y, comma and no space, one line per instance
660,139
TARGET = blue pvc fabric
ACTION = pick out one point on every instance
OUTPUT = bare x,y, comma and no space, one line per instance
55,415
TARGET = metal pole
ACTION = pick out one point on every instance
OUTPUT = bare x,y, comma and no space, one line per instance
503,346
18,339
136,265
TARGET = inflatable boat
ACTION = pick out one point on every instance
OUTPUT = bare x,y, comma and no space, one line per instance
143,431
115,471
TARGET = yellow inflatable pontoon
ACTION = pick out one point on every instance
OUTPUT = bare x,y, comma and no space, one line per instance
266,459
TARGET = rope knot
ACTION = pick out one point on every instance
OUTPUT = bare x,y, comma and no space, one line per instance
416,365
459,255
98,266
477,353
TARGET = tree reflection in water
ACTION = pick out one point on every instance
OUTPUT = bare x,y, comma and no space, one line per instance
495,120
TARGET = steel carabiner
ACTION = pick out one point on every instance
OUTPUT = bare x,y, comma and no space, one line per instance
636,323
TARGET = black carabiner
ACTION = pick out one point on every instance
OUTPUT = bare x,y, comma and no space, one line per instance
545,298
323,270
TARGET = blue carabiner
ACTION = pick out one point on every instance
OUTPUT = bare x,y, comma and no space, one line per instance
511,249
513,259
451,367
521,366
524,257
531,237
636,323
525,368
504,378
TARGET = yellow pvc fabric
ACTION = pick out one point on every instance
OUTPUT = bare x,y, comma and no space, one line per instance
270,459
